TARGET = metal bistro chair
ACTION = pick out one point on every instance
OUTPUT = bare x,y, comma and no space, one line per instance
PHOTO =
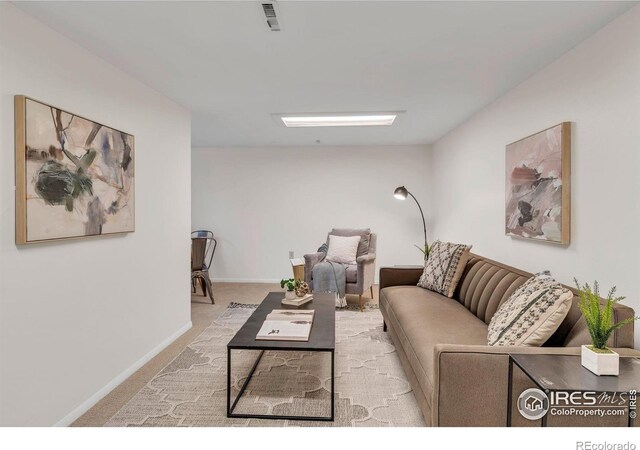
203,246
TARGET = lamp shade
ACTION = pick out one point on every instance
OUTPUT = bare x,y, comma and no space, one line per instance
401,193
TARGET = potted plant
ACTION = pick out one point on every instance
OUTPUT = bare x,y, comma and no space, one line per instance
289,285
599,319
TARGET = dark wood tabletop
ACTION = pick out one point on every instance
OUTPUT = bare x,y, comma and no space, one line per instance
565,373
323,330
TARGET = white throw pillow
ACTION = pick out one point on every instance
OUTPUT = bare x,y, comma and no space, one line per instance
343,249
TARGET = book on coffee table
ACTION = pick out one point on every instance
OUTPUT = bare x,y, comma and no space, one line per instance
286,325
298,301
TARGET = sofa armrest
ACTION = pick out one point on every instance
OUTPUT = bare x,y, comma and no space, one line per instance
400,276
310,260
366,265
471,382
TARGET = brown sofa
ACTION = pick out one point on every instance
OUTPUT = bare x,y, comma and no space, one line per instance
442,343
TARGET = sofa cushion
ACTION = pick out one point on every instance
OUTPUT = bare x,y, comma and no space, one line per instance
484,286
444,266
422,319
351,273
531,314
364,233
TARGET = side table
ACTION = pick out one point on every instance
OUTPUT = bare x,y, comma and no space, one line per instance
556,375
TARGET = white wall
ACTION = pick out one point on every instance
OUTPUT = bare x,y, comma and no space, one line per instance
77,315
597,87
263,202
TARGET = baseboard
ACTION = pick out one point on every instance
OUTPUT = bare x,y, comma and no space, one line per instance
254,280
246,280
111,385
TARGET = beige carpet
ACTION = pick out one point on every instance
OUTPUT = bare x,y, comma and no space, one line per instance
371,389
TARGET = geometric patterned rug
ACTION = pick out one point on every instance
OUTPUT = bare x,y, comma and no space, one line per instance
371,388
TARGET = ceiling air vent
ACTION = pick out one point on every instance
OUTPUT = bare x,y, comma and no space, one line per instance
271,14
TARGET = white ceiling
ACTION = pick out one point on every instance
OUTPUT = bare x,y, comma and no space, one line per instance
439,62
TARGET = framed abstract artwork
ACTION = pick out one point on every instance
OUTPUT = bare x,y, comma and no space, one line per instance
74,176
538,186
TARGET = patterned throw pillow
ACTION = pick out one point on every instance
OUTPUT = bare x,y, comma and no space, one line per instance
531,314
444,266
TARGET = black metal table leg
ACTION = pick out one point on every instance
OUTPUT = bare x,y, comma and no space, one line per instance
228,382
231,406
244,385
509,391
333,384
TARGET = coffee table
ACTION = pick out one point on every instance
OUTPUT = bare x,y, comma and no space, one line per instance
322,339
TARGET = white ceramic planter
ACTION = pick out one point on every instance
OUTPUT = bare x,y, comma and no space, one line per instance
290,295
600,363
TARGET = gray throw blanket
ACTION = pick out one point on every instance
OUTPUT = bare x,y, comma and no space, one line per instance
329,276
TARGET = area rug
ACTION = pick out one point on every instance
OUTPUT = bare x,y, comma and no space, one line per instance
371,388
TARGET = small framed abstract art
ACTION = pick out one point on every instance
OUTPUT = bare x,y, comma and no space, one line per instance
74,176
538,186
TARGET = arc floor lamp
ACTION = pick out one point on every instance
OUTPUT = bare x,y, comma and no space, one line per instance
401,193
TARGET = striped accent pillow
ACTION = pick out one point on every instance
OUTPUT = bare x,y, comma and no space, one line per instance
531,314
444,266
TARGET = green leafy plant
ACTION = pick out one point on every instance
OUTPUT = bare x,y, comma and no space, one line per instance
424,250
290,284
599,318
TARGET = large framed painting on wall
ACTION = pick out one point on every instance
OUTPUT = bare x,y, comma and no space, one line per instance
538,186
74,176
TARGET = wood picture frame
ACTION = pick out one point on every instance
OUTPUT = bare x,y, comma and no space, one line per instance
538,186
74,177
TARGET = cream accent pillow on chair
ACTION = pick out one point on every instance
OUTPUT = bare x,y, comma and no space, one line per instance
444,266
343,249
531,314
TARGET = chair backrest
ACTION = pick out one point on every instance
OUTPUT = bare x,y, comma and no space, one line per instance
198,252
368,239
202,234
203,247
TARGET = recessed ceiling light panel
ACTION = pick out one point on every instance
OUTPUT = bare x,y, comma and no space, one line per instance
338,120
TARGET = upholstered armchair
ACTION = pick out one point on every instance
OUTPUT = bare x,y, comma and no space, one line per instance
359,276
